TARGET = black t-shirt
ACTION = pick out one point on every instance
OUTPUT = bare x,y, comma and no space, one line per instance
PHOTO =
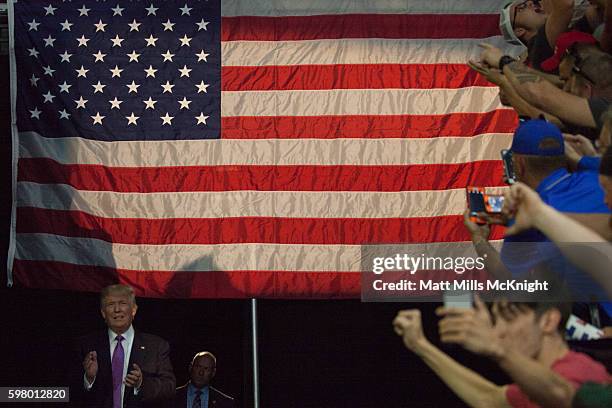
598,106
540,50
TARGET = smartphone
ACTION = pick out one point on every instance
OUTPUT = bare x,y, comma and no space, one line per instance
459,299
509,175
480,202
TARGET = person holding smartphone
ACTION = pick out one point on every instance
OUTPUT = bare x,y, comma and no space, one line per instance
538,160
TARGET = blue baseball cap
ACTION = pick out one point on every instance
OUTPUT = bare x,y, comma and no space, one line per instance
538,137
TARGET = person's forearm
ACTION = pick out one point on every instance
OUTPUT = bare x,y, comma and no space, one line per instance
593,260
523,108
473,389
545,96
492,259
539,383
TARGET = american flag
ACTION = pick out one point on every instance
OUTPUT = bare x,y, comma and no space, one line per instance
245,147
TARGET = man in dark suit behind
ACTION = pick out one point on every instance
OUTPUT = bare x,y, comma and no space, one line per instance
121,367
198,393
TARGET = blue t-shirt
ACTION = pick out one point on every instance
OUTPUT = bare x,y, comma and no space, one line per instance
589,163
577,192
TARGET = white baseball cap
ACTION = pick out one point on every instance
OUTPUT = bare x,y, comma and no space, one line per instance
505,26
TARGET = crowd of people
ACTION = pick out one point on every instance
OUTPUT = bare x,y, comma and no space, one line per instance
560,196
121,367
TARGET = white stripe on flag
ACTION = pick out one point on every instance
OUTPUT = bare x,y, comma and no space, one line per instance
360,102
256,257
317,7
354,51
406,204
373,152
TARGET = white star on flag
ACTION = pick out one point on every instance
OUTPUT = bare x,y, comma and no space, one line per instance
117,41
35,113
100,26
117,11
115,103
64,87
167,119
167,87
151,10
202,56
48,70
185,40
65,56
201,119
116,72
134,25
133,87
202,25
82,72
64,114
202,87
48,97
99,56
33,25
133,56
184,103
150,103
80,102
185,10
151,41
167,56
83,11
185,71
49,41
150,71
132,119
82,41
66,25
97,118
34,80
98,87
50,10
168,25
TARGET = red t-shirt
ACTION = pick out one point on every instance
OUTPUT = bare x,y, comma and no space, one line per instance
577,368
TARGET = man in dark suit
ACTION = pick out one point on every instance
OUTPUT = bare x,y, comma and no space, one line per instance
121,367
198,393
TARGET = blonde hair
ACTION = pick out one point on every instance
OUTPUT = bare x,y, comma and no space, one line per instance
117,289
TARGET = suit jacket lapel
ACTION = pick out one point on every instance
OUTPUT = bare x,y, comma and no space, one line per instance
104,356
138,350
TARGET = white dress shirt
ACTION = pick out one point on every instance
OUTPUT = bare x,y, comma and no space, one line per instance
128,340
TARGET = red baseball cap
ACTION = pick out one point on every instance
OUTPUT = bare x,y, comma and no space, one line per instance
565,41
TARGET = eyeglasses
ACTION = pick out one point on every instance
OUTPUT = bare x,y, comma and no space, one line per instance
522,6
578,62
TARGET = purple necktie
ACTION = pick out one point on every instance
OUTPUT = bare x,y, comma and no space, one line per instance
117,362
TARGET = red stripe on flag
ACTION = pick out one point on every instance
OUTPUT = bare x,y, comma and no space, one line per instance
414,26
368,126
183,284
262,178
233,230
354,76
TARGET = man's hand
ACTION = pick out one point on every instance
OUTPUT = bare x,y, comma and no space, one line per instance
491,74
525,205
134,377
471,328
490,55
90,365
407,324
476,231
580,144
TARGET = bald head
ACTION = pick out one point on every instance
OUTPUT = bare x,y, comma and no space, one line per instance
202,369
